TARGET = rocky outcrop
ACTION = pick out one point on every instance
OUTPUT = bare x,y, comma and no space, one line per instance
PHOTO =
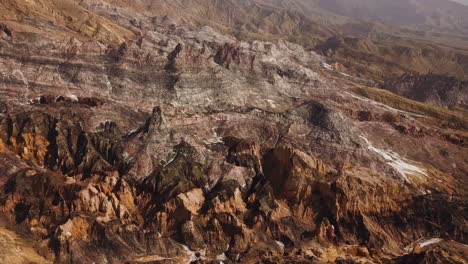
61,146
435,250
431,88
291,173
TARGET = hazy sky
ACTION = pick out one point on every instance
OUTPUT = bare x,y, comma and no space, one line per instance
465,2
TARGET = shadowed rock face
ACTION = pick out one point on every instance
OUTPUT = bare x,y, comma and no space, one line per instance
435,89
182,145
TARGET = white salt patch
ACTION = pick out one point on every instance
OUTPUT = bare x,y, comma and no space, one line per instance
171,160
380,104
396,162
202,253
108,84
271,102
20,73
73,97
190,253
132,131
280,244
221,257
215,139
327,66
330,68
430,242
344,74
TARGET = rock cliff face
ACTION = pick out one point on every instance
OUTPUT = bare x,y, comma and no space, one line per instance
180,145
431,88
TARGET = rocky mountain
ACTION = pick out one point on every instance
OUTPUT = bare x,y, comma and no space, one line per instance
170,132
436,89
427,15
431,43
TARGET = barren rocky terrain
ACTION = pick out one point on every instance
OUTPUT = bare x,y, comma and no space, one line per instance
154,133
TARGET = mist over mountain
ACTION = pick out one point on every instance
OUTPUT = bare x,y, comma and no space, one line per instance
424,14
461,1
